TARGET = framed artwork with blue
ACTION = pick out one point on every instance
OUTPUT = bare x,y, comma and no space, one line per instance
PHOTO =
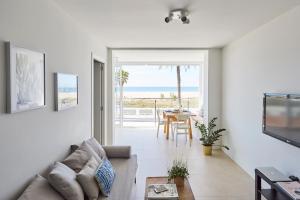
25,79
66,91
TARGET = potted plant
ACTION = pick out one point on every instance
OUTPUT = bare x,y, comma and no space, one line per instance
209,136
178,172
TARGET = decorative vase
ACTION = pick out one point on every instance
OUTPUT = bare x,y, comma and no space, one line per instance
207,150
179,181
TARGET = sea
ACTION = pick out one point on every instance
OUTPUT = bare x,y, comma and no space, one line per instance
142,89
67,89
160,89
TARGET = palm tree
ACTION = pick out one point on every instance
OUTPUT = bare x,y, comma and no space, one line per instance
122,77
178,85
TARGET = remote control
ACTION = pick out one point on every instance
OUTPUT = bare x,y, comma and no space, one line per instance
294,178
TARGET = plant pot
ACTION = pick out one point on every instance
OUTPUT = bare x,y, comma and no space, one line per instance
207,150
179,181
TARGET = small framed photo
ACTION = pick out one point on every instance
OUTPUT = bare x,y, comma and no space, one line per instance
66,91
25,79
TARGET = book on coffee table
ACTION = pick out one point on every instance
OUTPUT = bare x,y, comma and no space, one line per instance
162,191
184,192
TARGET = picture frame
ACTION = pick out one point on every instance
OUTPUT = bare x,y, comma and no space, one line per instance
66,91
25,79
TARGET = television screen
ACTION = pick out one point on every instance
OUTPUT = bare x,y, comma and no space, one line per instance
282,117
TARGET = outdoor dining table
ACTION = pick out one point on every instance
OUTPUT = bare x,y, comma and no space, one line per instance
170,116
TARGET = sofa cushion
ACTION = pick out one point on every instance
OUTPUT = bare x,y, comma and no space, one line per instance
125,170
86,178
40,189
96,147
63,179
105,176
80,156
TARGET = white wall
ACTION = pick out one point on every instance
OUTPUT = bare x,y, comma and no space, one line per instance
109,105
214,83
30,141
212,87
265,60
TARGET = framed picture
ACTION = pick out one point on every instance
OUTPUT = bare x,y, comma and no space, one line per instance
66,91
25,79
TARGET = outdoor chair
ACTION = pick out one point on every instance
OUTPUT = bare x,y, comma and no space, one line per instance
160,121
181,126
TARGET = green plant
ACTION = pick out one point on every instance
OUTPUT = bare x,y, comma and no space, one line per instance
173,96
178,168
208,134
122,77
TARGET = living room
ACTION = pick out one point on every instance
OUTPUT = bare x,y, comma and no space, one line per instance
252,49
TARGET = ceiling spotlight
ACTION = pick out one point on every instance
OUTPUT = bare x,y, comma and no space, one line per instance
185,20
168,19
178,14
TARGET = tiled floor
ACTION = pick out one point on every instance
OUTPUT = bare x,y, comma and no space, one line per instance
211,178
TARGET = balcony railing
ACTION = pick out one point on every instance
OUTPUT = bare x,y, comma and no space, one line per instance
144,109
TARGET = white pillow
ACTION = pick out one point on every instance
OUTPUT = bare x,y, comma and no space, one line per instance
63,179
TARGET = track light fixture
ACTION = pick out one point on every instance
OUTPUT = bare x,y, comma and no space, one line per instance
178,14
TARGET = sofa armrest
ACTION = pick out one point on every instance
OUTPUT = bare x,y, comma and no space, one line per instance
117,151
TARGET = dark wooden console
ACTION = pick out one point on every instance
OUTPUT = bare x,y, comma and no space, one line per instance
270,176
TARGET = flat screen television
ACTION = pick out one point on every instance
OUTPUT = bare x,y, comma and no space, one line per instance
281,117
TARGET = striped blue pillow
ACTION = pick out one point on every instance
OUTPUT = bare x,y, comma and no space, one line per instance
105,176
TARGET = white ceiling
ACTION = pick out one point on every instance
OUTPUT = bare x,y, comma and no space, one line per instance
140,23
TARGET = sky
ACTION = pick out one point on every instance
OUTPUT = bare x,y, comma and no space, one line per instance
67,80
154,76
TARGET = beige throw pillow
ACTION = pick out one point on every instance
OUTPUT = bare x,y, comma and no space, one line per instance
80,156
86,147
96,147
86,178
63,179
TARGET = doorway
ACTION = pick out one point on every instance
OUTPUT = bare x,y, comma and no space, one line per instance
145,84
138,98
98,100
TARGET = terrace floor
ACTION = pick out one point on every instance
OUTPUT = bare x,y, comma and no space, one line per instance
211,178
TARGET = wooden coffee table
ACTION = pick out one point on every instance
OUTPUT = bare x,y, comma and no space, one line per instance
185,192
